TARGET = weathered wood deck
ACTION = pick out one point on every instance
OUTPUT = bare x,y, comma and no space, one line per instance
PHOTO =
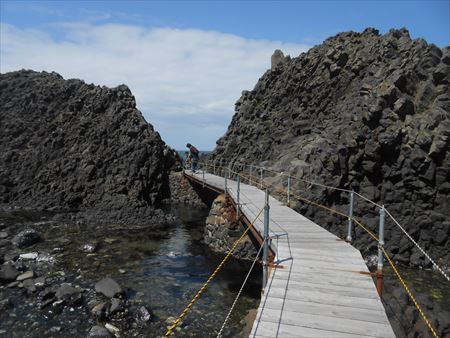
317,288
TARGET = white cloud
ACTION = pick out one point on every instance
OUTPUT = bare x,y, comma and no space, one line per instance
182,78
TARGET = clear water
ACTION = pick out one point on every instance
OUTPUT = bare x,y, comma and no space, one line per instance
163,271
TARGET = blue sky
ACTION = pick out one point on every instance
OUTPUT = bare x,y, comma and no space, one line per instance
187,62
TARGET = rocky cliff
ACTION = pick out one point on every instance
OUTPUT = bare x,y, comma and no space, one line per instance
361,111
68,145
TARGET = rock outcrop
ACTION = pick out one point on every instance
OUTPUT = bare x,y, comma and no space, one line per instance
361,111
68,145
222,230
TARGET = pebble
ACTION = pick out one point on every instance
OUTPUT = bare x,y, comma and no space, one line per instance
3,234
111,328
29,256
25,275
122,271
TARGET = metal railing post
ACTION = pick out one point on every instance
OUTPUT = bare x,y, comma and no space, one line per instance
238,196
206,166
250,175
350,216
261,177
380,252
266,242
289,191
225,176
214,167
203,177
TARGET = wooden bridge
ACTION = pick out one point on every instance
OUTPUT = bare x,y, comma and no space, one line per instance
318,286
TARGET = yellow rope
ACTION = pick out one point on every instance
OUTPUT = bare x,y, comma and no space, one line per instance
199,292
408,291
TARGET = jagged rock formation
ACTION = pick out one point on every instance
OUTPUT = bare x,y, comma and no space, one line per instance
361,111
68,145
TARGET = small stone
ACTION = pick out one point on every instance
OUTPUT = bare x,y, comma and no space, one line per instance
57,250
98,332
143,315
8,273
3,234
110,240
117,305
89,247
65,291
108,287
12,284
29,256
122,271
25,275
111,328
55,329
99,311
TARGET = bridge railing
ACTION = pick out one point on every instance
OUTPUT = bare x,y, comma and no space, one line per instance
286,186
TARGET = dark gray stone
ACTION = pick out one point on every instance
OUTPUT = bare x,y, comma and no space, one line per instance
26,238
108,287
8,273
99,332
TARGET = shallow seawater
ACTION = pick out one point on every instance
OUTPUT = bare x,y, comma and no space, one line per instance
160,269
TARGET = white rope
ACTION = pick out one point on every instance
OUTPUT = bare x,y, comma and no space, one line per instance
418,246
368,200
219,335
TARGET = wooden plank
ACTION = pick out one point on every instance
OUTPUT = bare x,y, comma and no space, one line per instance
326,309
270,329
344,325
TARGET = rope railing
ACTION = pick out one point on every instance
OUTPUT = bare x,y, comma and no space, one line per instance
381,247
256,183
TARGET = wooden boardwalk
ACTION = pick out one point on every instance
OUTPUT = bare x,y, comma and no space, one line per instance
319,287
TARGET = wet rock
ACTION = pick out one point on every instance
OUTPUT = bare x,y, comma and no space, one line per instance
29,256
67,293
11,256
26,238
111,328
8,273
108,287
98,332
89,247
143,315
3,234
117,305
6,304
25,275
100,311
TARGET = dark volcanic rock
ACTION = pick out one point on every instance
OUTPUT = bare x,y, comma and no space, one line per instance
360,111
8,273
68,145
108,287
26,238
98,332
